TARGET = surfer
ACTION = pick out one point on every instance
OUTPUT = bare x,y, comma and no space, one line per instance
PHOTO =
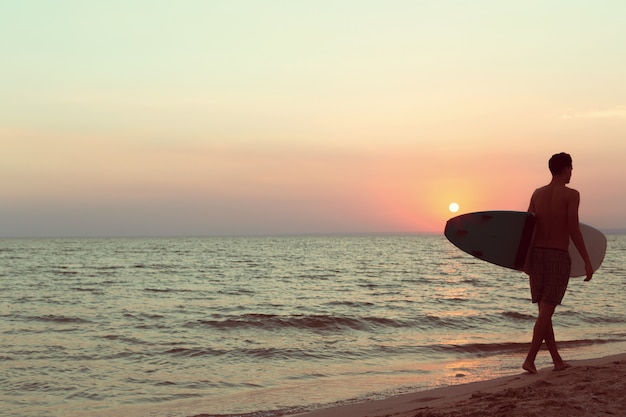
556,210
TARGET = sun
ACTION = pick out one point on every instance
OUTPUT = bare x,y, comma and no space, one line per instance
454,207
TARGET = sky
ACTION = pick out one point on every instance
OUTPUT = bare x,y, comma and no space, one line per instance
241,117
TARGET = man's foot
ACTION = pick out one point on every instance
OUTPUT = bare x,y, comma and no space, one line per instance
529,367
562,366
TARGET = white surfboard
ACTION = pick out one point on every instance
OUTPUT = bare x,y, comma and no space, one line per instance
595,242
503,238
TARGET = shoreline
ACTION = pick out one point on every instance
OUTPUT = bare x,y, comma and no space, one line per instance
590,387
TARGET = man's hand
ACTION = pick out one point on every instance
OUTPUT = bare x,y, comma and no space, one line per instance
589,270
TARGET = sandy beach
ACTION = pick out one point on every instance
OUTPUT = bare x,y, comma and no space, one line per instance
590,388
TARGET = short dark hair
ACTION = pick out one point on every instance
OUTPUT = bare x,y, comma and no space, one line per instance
559,162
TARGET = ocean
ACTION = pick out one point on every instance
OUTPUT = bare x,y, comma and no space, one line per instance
271,326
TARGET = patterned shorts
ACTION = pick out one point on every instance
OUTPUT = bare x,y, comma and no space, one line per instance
549,275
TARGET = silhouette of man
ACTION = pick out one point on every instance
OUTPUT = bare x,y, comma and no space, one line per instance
556,210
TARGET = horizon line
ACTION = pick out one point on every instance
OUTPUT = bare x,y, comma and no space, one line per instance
607,231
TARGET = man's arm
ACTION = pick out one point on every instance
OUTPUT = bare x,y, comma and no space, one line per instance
531,206
526,266
575,233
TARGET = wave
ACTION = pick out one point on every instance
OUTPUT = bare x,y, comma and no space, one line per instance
64,270
518,316
268,413
143,316
330,323
269,353
302,322
486,349
265,354
351,304
603,319
97,291
51,318
167,290
125,339
190,352
160,290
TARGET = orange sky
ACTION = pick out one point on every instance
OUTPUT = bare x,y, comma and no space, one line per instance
209,118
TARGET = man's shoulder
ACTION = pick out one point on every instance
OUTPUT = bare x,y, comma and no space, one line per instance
572,194
560,192
571,191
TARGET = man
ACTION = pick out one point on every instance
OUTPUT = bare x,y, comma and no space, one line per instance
556,210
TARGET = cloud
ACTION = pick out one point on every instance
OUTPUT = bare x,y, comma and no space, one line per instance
615,113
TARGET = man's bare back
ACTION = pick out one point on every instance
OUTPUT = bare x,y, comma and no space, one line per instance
556,208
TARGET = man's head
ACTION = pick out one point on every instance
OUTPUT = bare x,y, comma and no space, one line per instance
559,162
561,167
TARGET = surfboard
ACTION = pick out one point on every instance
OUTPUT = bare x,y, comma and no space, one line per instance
503,238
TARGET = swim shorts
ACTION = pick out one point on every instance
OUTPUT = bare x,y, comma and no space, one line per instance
549,275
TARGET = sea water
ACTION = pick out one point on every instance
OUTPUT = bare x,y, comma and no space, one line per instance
269,326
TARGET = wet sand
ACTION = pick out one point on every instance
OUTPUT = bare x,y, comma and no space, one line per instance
589,388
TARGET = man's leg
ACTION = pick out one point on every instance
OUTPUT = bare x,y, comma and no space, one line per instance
559,363
542,330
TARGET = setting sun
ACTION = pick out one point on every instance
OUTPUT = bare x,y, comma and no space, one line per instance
454,207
